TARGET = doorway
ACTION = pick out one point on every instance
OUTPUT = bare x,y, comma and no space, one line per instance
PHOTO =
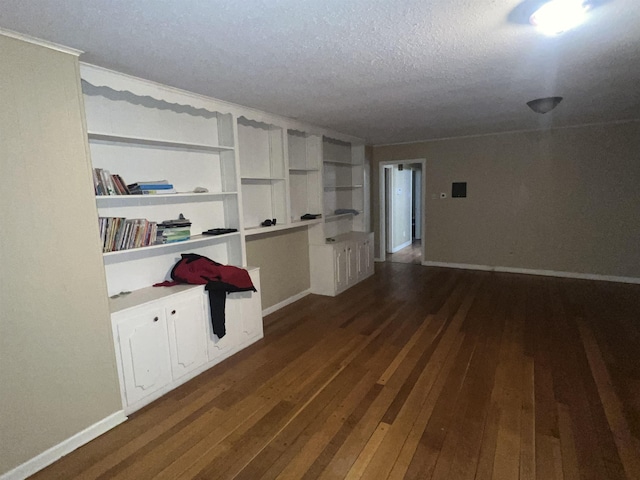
402,193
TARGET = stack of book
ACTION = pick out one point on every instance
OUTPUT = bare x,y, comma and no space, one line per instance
119,233
106,184
158,187
172,231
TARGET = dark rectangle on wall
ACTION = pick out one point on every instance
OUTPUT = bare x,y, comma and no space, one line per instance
459,190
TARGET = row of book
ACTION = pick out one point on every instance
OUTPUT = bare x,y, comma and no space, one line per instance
105,183
119,233
158,187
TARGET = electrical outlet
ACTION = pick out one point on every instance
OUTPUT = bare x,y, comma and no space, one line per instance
443,195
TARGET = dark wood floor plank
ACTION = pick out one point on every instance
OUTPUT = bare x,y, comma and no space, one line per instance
416,373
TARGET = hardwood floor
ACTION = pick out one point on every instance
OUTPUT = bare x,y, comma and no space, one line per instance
410,254
416,373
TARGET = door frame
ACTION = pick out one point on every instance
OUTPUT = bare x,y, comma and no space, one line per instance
382,203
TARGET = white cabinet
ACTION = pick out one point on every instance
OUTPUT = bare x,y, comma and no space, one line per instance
341,248
243,322
144,359
338,265
365,265
187,341
164,336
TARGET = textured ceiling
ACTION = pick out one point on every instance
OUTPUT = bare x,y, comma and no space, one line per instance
384,70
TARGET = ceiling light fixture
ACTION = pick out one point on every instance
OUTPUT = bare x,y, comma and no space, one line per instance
544,105
558,16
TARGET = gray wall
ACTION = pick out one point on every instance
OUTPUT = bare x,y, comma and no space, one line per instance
565,200
57,366
283,258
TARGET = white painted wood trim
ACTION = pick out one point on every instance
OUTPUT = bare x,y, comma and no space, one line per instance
528,271
40,42
286,302
49,456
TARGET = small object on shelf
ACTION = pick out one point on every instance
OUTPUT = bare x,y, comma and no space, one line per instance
269,222
178,222
172,231
200,190
343,211
219,231
310,216
158,187
330,240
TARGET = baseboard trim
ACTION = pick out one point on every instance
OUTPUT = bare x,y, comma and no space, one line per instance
528,271
65,447
284,303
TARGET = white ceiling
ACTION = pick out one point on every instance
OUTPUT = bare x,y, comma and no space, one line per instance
384,70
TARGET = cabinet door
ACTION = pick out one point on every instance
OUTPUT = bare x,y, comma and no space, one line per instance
365,258
340,262
187,333
144,347
352,264
370,260
362,254
220,348
251,307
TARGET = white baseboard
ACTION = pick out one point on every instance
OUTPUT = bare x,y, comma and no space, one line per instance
47,457
527,271
284,303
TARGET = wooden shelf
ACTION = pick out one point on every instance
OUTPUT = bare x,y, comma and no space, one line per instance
194,240
262,179
130,140
340,162
330,218
341,187
124,200
276,228
303,170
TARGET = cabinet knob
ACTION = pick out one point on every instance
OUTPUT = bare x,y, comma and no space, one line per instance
173,312
155,319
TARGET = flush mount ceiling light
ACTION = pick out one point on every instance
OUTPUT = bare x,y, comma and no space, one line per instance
544,105
558,16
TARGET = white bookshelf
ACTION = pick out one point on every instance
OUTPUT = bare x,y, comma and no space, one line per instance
305,155
138,130
262,171
341,248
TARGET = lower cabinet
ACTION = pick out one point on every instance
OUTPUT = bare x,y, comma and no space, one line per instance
341,264
163,342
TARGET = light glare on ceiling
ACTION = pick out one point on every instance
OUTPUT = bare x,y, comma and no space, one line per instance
558,16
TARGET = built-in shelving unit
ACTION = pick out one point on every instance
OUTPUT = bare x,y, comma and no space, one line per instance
341,249
305,154
263,173
343,186
143,132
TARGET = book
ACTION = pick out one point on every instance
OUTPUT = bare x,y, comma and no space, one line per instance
165,191
157,186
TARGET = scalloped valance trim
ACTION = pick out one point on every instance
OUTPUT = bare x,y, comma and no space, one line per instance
145,101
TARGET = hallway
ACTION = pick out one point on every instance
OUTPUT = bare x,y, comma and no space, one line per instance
411,254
